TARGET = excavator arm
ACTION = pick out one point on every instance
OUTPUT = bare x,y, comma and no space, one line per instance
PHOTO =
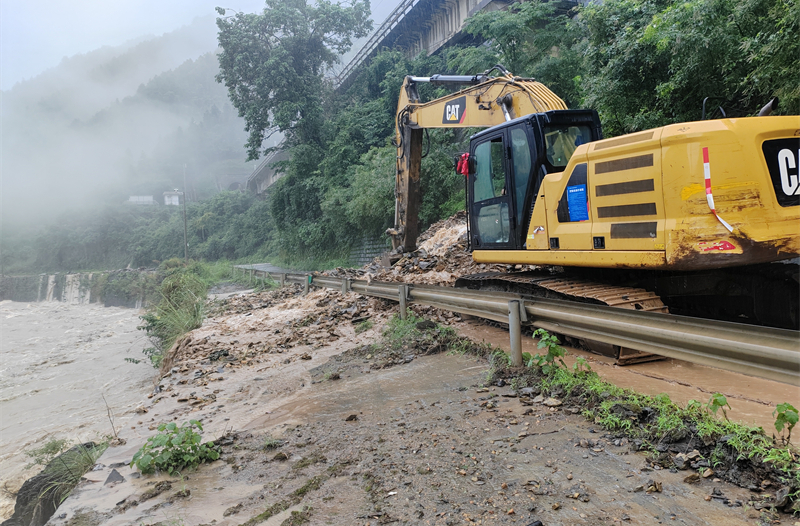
486,101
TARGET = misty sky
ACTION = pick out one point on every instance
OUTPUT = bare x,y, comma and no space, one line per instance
36,34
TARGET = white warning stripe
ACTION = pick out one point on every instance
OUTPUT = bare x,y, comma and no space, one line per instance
709,195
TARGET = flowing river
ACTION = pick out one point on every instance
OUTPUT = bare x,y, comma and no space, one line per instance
58,362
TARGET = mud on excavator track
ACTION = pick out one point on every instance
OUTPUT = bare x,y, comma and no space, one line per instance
541,284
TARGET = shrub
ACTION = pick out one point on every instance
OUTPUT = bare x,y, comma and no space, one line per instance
179,311
174,449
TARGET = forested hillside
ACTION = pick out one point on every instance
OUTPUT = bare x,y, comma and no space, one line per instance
639,63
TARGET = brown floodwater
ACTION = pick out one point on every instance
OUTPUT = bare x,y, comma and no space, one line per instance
58,361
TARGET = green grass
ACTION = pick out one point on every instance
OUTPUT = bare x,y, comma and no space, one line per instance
180,310
65,471
605,404
364,326
272,443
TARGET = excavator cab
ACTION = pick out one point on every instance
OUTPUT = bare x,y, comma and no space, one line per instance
507,165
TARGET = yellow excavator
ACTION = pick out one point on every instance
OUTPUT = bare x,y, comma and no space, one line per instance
698,218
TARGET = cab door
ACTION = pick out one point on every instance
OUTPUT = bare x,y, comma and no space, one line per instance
492,218
569,219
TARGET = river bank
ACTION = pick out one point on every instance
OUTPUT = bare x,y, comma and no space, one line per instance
310,421
59,360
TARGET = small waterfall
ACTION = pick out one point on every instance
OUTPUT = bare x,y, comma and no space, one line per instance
39,288
51,286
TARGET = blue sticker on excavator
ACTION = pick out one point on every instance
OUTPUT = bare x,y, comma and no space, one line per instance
576,200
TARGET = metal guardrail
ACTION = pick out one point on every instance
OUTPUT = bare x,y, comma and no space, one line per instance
765,352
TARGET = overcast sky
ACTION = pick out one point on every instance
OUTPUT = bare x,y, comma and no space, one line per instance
36,34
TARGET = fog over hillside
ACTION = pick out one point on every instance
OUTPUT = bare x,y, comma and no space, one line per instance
120,121
88,129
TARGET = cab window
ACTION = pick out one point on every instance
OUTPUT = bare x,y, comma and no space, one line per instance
562,141
521,158
490,178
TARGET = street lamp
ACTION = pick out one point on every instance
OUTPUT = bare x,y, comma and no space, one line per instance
185,242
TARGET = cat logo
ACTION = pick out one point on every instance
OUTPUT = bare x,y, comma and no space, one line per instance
788,162
455,111
783,161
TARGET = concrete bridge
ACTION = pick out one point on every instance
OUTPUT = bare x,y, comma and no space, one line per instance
413,26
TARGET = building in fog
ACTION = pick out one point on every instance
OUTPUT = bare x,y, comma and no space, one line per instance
173,198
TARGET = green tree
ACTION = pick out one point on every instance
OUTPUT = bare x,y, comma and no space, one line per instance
273,63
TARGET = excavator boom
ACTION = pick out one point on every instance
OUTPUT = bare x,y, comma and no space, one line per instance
486,101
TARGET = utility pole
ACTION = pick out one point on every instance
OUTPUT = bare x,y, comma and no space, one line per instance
185,241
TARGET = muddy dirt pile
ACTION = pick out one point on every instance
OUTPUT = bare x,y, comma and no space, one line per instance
442,257
325,312
239,303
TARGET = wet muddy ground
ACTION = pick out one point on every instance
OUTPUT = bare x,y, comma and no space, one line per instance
311,422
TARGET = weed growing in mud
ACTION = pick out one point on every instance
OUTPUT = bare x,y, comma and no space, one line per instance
292,499
309,461
272,443
364,326
717,402
331,375
298,517
418,336
399,331
787,418
41,456
174,448
555,352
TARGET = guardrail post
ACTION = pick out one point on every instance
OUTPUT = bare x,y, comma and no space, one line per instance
403,294
345,285
305,285
515,332
282,280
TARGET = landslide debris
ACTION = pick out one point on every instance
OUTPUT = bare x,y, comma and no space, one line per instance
314,326
442,257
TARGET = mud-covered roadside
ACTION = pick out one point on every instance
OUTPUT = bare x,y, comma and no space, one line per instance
317,424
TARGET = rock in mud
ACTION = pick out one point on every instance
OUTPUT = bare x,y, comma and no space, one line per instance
680,461
691,479
233,510
114,477
782,497
653,486
552,402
